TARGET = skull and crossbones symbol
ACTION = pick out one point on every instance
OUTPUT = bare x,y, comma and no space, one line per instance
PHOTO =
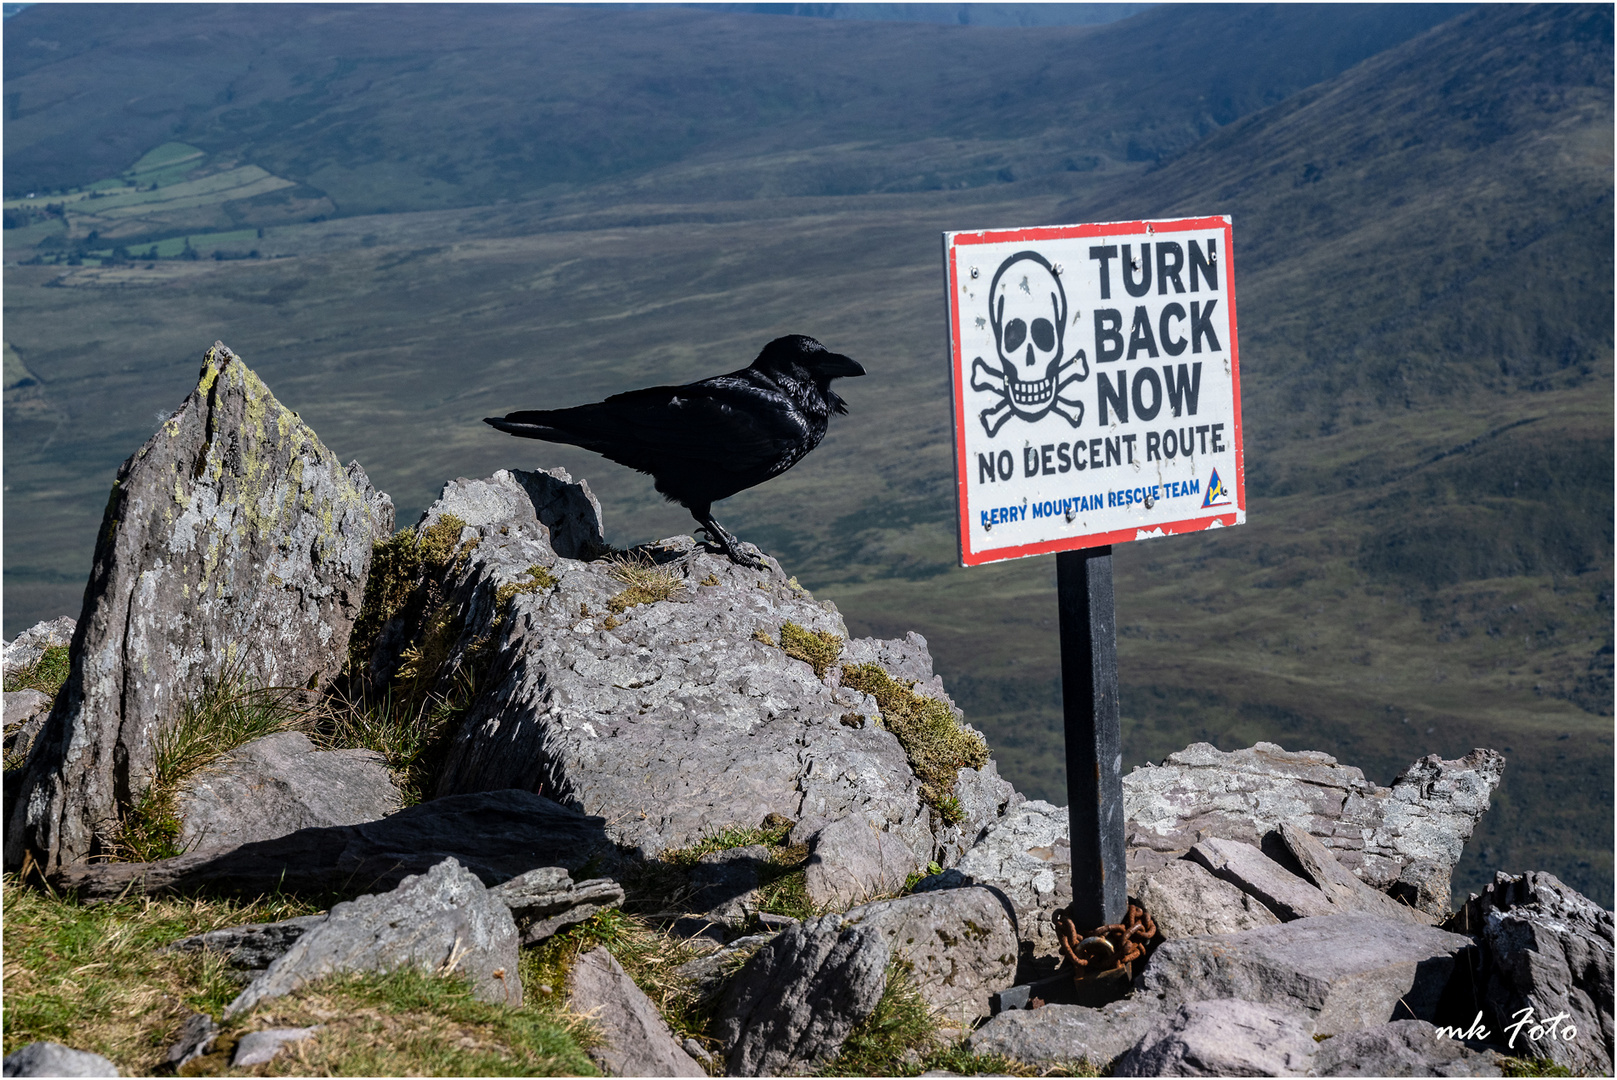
1028,309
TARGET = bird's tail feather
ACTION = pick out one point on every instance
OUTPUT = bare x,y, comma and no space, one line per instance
530,425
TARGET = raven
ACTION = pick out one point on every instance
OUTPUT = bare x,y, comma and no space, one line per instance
707,440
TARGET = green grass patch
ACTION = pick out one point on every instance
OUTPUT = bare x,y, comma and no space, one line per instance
817,648
408,1023
92,977
47,674
878,1044
934,741
225,715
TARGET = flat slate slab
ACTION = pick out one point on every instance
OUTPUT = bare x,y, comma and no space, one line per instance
1347,971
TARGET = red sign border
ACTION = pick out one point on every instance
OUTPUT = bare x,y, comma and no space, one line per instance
952,242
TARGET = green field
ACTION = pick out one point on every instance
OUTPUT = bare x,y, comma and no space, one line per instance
1423,227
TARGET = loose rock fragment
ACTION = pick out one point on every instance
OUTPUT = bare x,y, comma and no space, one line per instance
440,921
637,1041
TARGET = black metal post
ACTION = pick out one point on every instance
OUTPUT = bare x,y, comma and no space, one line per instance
1094,736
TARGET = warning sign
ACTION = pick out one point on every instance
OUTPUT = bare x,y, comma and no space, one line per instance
1097,384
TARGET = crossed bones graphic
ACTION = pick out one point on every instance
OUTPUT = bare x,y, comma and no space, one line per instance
1019,315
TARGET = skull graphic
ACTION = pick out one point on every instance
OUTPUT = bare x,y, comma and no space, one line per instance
1027,308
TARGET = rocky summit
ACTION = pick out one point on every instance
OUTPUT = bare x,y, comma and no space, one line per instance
702,746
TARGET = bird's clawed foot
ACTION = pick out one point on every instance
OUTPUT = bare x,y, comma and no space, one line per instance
733,547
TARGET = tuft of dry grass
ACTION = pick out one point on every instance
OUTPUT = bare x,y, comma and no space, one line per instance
645,581
225,715
92,977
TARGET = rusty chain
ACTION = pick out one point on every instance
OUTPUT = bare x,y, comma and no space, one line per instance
1107,948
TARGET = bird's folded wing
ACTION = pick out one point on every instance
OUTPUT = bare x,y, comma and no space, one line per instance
730,428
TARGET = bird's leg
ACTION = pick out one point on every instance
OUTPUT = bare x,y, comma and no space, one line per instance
726,540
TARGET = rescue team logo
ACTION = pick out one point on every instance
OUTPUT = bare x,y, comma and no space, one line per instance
1096,384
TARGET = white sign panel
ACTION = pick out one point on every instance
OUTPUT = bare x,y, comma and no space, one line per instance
1097,385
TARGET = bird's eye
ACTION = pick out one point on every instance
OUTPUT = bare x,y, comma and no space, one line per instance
1015,334
1044,335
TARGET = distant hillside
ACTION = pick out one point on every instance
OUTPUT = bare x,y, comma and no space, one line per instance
459,105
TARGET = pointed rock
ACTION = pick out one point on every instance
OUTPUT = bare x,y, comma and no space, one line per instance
234,546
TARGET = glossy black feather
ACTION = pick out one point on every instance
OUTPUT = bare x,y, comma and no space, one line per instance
707,440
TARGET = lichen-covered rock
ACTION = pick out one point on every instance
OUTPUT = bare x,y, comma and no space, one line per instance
234,546
26,711
54,1059
277,785
440,921
1547,948
651,688
959,945
1063,1034
851,861
1425,817
1027,857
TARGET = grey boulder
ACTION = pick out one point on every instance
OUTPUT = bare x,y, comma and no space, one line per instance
546,900
959,944
852,860
1347,971
1548,949
671,715
441,921
26,711
635,1040
1420,824
1186,900
54,1059
794,1003
277,785
1346,892
1224,1038
1401,1048
234,546
1060,1034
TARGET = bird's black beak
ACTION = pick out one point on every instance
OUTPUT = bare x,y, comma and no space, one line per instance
837,366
